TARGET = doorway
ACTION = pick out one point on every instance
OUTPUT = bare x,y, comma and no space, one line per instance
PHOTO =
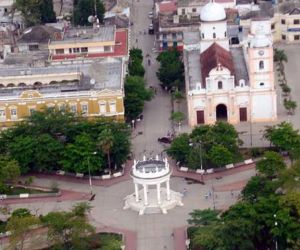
221,112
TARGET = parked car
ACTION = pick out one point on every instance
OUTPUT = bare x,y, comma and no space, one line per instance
150,15
165,139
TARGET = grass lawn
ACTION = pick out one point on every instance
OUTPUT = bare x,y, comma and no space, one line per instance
21,190
2,226
100,241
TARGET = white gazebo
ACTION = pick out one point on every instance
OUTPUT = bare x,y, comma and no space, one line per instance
150,173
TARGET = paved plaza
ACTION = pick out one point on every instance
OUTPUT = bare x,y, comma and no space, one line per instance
154,231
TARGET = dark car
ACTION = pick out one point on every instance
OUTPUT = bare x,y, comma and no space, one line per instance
165,139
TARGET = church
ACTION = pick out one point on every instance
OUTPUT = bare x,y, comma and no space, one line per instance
233,83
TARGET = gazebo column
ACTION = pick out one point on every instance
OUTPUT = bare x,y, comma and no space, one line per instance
145,194
136,189
168,190
158,193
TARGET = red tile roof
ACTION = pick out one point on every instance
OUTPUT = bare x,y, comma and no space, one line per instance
121,49
212,57
169,6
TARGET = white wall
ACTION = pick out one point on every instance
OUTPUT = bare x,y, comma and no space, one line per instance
262,106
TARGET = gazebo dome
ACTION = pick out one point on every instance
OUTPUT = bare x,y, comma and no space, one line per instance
212,12
260,40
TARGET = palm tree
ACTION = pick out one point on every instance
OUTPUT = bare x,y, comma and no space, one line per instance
106,142
280,56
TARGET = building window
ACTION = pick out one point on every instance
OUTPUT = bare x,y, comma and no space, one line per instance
62,107
13,113
272,26
84,50
202,35
261,84
2,113
59,51
194,10
33,47
70,51
107,48
112,107
76,50
296,21
225,34
84,109
220,84
174,36
174,44
102,107
283,37
261,65
183,11
73,108
214,35
296,37
282,21
164,36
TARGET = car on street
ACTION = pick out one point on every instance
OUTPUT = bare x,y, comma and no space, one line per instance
150,15
165,139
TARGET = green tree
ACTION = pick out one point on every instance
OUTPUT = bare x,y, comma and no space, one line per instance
135,96
135,66
203,217
36,11
66,229
171,68
271,164
220,156
106,143
280,56
180,148
284,137
9,169
85,8
20,229
290,106
78,157
21,212
177,117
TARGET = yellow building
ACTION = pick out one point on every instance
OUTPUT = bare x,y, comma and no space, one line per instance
91,89
286,26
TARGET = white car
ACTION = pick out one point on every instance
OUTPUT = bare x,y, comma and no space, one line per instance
150,15
151,26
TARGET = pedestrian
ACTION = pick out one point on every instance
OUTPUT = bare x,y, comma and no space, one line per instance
184,192
136,40
206,196
155,90
210,193
232,194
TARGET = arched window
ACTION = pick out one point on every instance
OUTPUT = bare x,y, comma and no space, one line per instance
220,84
261,65
214,35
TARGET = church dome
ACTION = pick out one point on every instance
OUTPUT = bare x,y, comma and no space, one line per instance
212,12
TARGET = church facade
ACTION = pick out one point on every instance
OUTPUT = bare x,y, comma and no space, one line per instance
224,82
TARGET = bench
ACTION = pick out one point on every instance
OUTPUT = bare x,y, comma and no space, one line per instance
209,171
106,176
117,174
183,169
79,175
200,171
228,166
249,161
60,172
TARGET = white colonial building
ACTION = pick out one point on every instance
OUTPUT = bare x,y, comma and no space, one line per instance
223,82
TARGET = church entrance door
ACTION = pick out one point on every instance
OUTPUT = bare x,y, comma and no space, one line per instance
221,112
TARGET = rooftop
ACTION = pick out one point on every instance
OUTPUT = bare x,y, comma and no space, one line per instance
101,34
167,6
150,169
106,72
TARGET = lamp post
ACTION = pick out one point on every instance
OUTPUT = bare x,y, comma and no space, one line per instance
90,178
275,223
198,144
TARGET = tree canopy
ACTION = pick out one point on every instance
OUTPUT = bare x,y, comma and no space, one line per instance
135,96
85,8
36,11
135,67
218,144
171,69
260,216
52,139
271,164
